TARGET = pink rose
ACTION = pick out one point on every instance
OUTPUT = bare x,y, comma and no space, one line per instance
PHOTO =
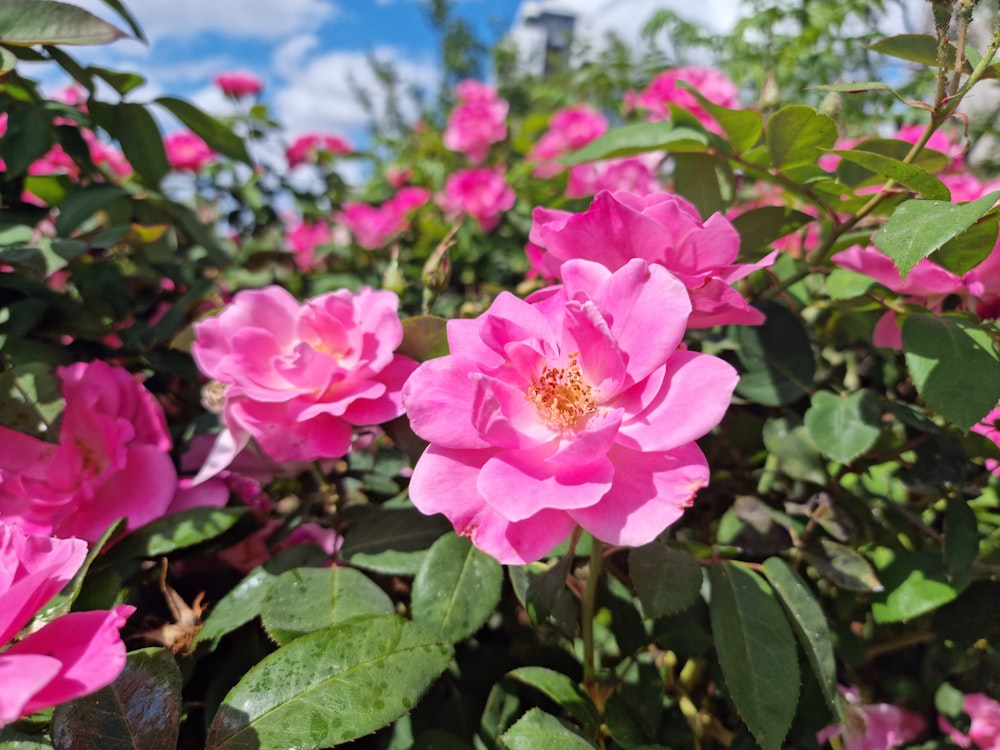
570,129
876,726
927,284
478,120
298,377
239,83
112,459
633,174
187,152
660,228
481,193
303,237
574,407
664,91
374,226
984,730
311,148
71,656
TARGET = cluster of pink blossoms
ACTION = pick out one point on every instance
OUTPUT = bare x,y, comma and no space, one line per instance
984,723
478,121
74,654
663,91
298,377
374,226
481,193
311,148
112,460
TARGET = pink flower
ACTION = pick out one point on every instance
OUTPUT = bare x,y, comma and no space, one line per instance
481,193
984,730
239,83
187,152
876,726
303,237
927,284
112,459
71,656
311,148
634,174
479,120
990,427
576,406
299,376
374,226
664,91
570,129
662,229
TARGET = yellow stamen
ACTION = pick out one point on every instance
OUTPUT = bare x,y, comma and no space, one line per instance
560,395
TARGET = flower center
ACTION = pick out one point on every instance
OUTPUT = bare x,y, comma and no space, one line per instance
560,395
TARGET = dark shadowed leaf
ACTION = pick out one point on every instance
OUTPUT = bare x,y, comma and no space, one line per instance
666,580
843,426
392,541
217,135
83,203
141,709
759,227
954,366
776,356
844,567
756,650
562,690
456,588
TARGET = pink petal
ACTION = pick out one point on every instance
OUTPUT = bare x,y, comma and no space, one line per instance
687,403
22,677
89,648
650,491
438,397
224,450
519,484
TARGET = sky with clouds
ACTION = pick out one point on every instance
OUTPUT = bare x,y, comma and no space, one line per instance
308,51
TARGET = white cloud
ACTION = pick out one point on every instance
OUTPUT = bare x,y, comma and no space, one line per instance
319,95
258,19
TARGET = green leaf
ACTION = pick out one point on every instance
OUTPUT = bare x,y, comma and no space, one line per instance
666,580
856,87
915,584
456,588
948,700
30,22
706,180
638,138
29,137
809,624
139,135
845,284
13,738
844,426
797,135
954,366
560,689
756,650
122,11
777,357
537,730
844,567
543,593
331,686
218,136
243,603
961,540
963,253
83,203
918,48
61,603
855,175
742,127
177,531
392,541
908,175
424,337
788,444
141,709
304,600
759,227
919,227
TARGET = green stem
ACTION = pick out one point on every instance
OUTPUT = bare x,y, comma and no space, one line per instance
588,611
